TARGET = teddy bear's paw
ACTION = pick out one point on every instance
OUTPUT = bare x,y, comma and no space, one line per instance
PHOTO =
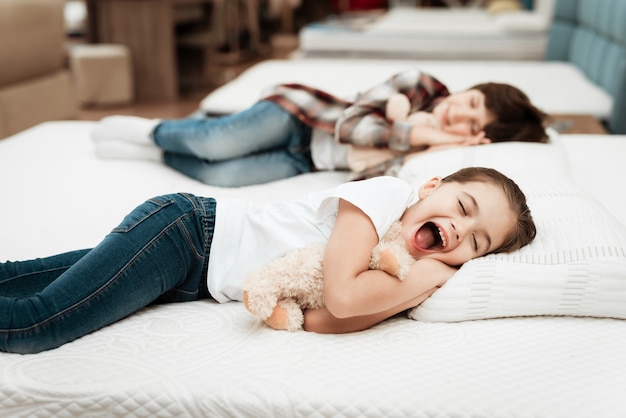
246,301
287,315
404,260
278,319
258,304
396,261
389,262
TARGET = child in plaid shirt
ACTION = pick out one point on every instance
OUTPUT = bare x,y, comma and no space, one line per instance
296,129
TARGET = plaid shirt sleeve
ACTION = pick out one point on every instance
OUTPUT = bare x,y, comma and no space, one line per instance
364,123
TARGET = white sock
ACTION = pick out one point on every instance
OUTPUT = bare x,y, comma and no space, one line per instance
122,150
131,129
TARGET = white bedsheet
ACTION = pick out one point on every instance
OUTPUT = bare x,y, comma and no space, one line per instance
57,187
555,87
204,359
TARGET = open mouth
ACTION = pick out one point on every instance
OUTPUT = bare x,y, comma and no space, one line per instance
430,237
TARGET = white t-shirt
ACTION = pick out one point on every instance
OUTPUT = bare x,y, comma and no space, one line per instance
326,153
248,236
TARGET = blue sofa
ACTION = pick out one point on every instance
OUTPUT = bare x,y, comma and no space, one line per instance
591,34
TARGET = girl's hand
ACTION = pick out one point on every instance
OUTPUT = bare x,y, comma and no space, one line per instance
423,135
479,138
464,142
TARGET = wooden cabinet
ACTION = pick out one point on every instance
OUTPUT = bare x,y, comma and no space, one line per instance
149,29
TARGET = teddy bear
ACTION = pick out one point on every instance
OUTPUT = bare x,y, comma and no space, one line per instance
278,292
398,108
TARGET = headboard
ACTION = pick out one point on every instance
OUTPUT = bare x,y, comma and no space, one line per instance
591,34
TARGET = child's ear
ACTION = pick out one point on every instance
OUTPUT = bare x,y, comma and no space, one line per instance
427,188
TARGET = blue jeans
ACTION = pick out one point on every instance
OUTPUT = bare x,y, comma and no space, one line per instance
258,145
159,253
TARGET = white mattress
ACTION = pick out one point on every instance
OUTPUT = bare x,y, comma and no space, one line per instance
431,34
555,87
204,359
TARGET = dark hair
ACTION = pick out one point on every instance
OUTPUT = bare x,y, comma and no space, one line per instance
525,229
517,119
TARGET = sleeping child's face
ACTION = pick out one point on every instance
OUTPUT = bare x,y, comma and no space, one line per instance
463,113
454,222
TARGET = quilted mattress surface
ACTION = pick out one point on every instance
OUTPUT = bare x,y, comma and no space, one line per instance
201,359
205,359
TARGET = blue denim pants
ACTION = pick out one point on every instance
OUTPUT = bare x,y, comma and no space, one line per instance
159,253
261,144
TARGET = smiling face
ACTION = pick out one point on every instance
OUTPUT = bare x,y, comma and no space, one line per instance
463,113
456,222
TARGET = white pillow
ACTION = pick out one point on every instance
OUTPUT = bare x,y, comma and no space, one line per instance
575,266
510,158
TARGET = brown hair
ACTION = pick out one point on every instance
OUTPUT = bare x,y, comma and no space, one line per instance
517,119
525,229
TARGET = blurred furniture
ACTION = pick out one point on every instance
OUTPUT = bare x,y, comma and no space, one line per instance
432,33
147,28
75,13
154,30
592,36
34,85
229,32
103,74
285,10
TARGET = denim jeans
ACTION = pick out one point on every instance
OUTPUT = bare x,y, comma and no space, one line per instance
258,145
159,253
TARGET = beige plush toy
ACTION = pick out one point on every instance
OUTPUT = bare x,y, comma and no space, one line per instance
398,108
278,292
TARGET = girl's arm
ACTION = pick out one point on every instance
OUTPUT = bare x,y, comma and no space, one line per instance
352,290
323,322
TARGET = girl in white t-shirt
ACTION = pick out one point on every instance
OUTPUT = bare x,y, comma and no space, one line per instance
182,247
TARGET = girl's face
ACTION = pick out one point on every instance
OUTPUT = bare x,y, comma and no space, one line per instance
456,222
463,113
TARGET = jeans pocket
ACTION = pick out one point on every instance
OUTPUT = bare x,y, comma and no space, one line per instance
143,212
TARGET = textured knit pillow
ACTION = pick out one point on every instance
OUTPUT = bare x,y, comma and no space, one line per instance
575,266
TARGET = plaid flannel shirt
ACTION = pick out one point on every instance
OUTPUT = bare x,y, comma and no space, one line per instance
363,122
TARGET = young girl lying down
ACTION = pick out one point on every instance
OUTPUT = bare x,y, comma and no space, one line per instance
180,247
296,129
